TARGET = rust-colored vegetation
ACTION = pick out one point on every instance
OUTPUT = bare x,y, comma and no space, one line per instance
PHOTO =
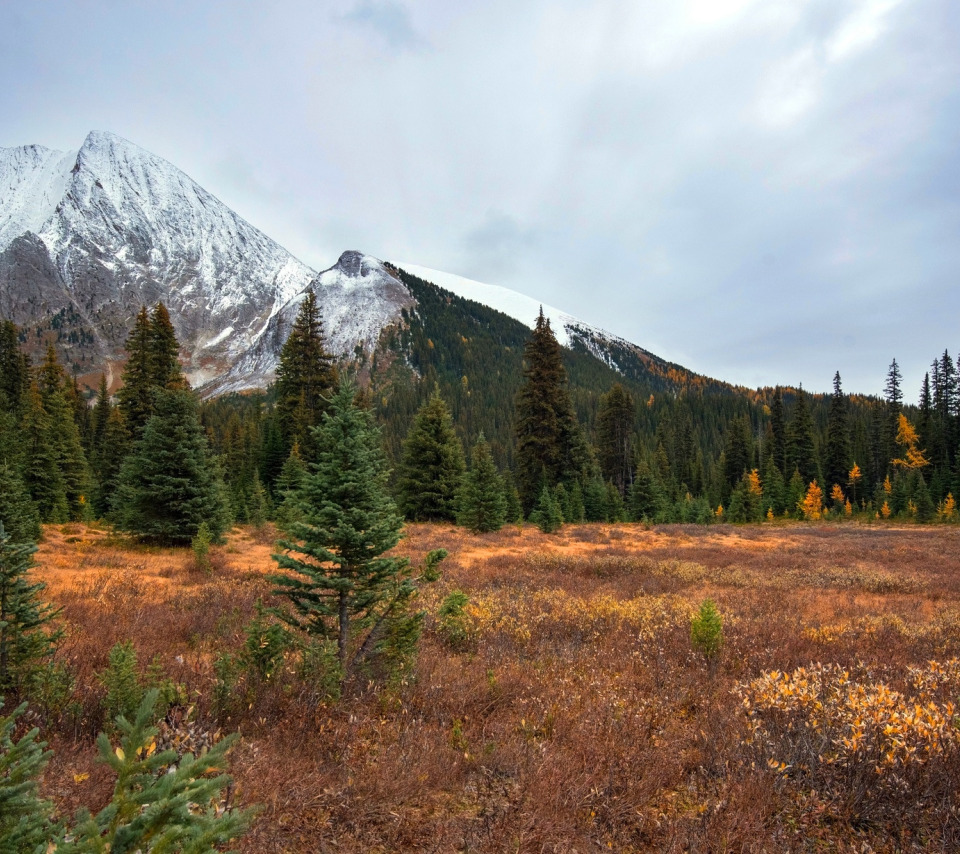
563,706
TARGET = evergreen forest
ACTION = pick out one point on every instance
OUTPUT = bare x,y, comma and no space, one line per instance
650,442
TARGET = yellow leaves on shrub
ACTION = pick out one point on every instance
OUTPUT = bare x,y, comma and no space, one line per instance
522,614
847,736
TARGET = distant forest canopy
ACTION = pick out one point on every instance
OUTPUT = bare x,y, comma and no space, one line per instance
646,441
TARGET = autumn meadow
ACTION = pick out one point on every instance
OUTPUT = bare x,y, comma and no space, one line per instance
558,702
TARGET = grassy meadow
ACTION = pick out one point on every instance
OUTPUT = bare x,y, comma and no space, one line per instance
565,708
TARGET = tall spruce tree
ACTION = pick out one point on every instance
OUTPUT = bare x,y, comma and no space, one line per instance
14,368
18,513
108,460
67,446
615,424
168,485
801,449
306,377
778,431
42,475
25,637
163,350
838,455
134,396
481,500
432,465
339,583
738,452
550,447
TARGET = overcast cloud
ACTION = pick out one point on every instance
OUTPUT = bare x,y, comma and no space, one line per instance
765,191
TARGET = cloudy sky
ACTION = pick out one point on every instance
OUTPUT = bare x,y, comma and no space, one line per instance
765,191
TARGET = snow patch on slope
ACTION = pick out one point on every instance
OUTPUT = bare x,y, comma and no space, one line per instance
358,297
513,304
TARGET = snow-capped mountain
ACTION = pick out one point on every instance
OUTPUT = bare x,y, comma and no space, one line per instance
358,297
88,237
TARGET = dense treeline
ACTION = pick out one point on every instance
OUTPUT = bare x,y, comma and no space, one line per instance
649,442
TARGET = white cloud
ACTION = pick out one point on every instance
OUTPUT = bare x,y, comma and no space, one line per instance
861,28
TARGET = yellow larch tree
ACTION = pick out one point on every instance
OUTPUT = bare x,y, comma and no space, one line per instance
913,457
812,504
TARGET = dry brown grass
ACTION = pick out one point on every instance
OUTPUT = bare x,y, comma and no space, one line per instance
576,718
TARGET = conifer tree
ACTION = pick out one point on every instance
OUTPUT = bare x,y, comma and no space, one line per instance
481,500
288,485
108,459
134,396
64,436
645,500
778,432
546,515
513,508
796,490
774,489
339,583
164,350
549,442
161,802
26,820
432,466
168,484
18,513
615,420
14,369
615,508
24,636
594,500
101,414
576,512
801,450
738,451
42,475
837,462
305,376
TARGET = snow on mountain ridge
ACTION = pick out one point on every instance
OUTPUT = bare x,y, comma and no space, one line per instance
122,228
32,182
511,303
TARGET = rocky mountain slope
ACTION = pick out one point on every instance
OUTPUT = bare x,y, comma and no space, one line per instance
88,237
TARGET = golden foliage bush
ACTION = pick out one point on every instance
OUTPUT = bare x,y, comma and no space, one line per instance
872,752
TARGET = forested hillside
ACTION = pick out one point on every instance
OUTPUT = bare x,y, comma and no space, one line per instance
686,448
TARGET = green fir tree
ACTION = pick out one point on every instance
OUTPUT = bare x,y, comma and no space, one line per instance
547,515
168,484
305,377
549,442
18,513
337,579
26,638
482,503
432,465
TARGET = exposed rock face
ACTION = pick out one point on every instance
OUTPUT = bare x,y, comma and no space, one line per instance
94,235
358,297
